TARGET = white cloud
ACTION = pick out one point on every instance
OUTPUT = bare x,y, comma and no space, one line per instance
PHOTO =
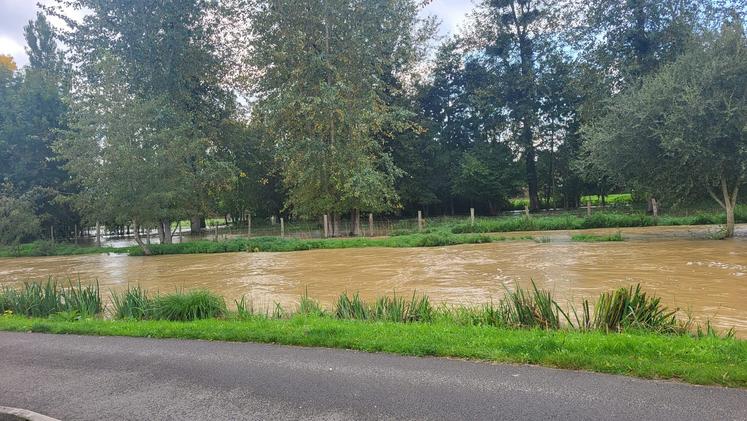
453,14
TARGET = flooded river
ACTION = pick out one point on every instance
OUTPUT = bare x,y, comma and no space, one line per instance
707,277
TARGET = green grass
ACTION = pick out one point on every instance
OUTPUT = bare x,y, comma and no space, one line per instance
438,232
610,200
629,332
43,299
596,220
591,238
135,303
47,248
277,244
706,360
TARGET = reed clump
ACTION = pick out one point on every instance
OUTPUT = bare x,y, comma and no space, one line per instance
521,308
135,303
43,299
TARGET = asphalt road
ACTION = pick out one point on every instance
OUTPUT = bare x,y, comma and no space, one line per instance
92,378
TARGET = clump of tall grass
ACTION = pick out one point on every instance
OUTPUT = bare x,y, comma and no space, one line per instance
42,299
186,306
628,308
391,309
532,308
309,306
135,303
132,303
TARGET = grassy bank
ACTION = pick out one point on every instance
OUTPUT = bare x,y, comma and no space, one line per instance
449,232
48,248
259,244
596,220
699,361
627,332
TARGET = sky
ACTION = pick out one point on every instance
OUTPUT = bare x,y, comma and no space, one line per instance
15,14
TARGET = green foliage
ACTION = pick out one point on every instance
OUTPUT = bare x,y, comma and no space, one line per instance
133,303
37,299
18,223
591,238
684,125
185,306
331,117
629,308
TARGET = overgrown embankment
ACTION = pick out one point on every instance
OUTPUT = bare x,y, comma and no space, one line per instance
434,235
624,331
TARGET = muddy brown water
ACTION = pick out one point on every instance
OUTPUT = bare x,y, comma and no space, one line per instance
706,277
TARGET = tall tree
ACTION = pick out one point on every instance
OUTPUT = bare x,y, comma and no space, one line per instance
131,155
33,111
323,86
682,133
511,34
168,53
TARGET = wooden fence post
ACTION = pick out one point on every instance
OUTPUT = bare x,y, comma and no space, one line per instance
249,224
588,207
51,233
326,225
655,207
472,216
282,227
370,224
76,234
98,234
420,220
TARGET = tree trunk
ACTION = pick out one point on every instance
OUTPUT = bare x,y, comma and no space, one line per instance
196,224
165,232
728,202
139,240
335,224
355,222
531,167
730,220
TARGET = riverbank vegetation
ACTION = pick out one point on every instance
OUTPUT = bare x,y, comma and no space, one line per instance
436,233
351,116
624,331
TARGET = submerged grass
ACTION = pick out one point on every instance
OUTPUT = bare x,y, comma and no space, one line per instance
591,238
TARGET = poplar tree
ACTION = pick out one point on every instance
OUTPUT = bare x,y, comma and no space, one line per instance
324,73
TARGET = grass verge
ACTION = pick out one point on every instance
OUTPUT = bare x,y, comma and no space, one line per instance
708,361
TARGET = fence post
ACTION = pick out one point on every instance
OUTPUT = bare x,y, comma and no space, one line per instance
655,207
51,232
370,224
249,224
216,230
282,227
472,216
420,220
98,234
76,234
179,224
326,225
588,207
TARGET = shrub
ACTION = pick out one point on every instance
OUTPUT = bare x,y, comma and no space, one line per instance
186,306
